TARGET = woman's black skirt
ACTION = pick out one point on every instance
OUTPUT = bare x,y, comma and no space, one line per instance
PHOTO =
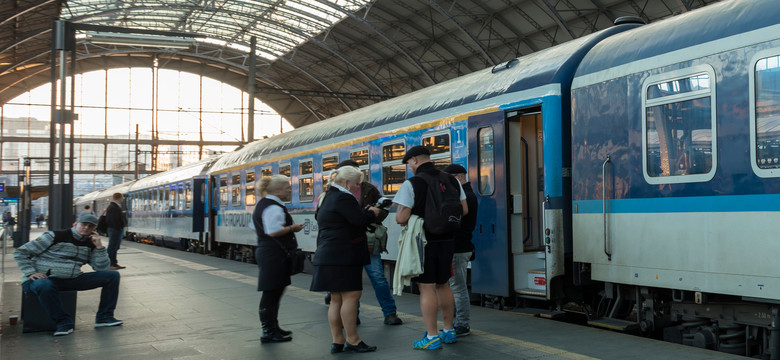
337,278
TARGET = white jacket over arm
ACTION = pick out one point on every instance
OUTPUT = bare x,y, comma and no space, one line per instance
411,254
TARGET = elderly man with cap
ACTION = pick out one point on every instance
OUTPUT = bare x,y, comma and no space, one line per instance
52,263
464,252
434,285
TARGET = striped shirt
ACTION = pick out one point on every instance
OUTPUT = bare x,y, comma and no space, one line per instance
61,259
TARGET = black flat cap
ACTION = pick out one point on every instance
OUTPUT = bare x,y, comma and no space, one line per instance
416,151
348,162
454,169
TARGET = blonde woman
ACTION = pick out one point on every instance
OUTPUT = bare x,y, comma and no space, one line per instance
341,254
275,236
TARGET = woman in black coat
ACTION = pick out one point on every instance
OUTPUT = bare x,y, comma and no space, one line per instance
341,253
275,236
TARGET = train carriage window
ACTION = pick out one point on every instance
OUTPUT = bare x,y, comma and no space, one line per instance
223,191
235,190
250,188
187,197
165,201
172,200
439,146
305,180
180,196
360,156
486,158
765,114
266,172
393,170
679,139
329,163
285,169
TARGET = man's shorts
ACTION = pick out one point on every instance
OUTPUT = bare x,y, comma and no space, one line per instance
438,263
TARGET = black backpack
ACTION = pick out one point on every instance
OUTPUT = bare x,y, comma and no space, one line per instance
443,210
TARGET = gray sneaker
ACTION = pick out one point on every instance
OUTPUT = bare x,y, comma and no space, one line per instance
462,330
108,322
63,330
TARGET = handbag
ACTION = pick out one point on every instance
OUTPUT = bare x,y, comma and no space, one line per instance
294,258
376,237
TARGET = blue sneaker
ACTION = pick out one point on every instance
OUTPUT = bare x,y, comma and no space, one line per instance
427,344
448,336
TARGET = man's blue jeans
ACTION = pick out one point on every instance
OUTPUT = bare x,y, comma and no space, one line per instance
48,290
376,273
114,239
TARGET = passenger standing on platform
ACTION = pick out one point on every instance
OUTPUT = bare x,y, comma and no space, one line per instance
116,222
367,195
88,208
8,222
275,237
52,263
434,284
38,220
341,254
463,253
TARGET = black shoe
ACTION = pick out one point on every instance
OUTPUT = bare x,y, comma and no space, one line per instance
393,319
336,348
282,331
327,299
362,347
270,330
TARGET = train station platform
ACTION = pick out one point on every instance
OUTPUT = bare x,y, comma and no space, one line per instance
178,305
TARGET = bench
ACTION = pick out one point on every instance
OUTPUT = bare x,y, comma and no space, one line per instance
35,318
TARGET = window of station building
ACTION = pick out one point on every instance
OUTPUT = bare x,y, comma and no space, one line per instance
223,190
187,197
439,145
250,188
266,171
235,189
393,170
486,159
285,169
360,156
679,126
765,114
305,180
329,163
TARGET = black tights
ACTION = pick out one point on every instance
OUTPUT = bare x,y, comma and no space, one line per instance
271,298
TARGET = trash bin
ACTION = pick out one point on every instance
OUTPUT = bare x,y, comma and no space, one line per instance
17,236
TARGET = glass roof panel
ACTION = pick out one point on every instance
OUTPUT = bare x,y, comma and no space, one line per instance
279,25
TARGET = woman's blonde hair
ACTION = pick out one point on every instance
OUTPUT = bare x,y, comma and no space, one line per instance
272,183
340,175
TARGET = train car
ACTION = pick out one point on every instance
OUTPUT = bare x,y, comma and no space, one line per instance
506,125
169,208
675,177
87,199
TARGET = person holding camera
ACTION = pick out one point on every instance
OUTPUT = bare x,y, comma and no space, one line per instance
52,263
341,253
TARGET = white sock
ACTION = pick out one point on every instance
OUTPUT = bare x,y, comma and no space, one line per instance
431,337
448,330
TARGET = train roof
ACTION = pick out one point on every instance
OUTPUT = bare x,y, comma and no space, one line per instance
181,173
708,28
86,197
550,66
120,188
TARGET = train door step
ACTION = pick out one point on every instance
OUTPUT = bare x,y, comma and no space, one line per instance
541,313
614,324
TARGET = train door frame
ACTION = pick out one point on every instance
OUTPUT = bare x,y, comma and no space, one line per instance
212,201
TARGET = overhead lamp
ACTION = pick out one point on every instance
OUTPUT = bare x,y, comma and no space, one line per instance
140,40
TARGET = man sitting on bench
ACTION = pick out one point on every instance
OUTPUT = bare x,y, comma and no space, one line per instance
52,263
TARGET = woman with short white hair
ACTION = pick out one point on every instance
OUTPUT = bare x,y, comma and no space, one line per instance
341,253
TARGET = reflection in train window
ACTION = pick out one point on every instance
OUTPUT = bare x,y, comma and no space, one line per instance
171,203
767,113
393,171
360,156
235,189
266,172
305,180
164,204
187,197
180,196
285,169
250,188
486,159
679,128
439,146
223,191
329,162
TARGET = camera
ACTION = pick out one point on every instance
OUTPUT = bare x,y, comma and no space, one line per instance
384,203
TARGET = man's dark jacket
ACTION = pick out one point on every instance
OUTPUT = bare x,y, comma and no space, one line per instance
115,219
468,223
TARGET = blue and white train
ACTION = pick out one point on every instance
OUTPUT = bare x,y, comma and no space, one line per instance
632,173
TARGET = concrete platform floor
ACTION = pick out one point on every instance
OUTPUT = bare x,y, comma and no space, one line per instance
178,305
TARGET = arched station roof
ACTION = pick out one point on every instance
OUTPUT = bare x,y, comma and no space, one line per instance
315,58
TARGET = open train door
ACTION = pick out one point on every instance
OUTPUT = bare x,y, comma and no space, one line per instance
212,206
490,272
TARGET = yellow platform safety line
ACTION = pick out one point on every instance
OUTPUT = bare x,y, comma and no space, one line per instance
413,321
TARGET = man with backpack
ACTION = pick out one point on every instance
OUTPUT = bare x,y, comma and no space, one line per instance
439,200
52,263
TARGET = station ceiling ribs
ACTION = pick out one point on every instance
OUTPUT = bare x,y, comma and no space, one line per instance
319,58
